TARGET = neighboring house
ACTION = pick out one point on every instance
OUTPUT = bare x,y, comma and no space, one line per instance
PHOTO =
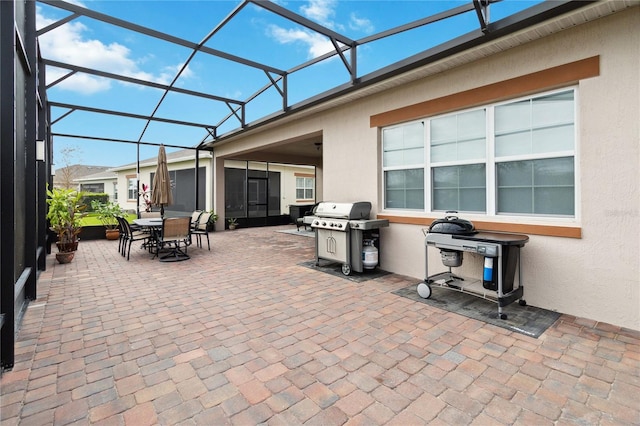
101,182
535,132
181,165
254,189
68,177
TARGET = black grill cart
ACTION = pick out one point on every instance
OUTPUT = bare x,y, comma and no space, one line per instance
501,252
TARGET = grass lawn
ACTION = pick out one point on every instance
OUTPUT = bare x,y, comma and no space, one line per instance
91,219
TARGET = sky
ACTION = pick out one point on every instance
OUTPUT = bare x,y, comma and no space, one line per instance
254,33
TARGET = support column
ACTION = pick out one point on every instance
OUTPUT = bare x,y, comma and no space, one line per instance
218,191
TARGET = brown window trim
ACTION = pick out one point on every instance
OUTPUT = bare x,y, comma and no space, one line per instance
519,228
547,79
305,175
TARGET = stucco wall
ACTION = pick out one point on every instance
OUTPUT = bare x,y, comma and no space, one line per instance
596,276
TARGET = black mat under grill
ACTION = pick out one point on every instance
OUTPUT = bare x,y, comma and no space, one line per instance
527,320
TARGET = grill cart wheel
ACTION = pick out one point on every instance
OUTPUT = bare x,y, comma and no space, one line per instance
424,290
346,269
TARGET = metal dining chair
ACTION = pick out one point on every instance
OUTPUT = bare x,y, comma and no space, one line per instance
195,217
133,236
122,241
200,229
174,236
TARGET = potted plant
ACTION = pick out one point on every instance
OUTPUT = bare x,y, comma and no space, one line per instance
64,214
212,221
232,223
107,215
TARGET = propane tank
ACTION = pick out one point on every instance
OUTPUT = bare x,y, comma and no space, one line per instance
487,274
369,255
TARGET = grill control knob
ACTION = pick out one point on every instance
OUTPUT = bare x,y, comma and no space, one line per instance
324,223
339,225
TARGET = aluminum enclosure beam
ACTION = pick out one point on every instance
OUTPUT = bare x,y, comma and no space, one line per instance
129,115
505,26
278,78
132,80
155,34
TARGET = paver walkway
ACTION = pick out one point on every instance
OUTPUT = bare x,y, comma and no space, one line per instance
245,335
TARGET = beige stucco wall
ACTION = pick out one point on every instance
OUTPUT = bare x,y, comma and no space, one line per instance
596,276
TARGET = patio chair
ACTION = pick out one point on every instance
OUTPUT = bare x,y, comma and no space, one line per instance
146,215
195,216
200,229
123,234
304,220
132,236
175,234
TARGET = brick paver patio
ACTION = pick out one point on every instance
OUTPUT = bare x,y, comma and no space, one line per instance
245,335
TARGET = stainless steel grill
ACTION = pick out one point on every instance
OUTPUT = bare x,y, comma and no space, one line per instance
345,234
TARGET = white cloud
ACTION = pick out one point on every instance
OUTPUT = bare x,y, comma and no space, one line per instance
316,44
360,24
321,11
68,43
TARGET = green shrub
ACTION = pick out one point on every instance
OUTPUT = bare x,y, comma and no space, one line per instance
89,197
107,212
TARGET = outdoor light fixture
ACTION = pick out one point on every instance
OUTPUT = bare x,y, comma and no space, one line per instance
40,150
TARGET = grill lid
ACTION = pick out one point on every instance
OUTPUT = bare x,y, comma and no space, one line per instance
357,210
452,225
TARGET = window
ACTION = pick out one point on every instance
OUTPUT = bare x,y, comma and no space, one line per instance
92,187
460,188
512,158
534,151
458,161
403,165
132,188
305,187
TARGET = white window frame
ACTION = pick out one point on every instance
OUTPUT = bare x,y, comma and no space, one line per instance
490,161
429,166
130,179
419,164
305,188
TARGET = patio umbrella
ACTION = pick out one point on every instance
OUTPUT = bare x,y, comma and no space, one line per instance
161,189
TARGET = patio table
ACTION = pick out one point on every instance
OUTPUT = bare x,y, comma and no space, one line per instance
154,226
151,224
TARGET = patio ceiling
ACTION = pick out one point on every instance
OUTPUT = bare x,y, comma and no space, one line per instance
229,116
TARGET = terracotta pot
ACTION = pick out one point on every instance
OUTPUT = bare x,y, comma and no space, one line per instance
65,257
112,234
